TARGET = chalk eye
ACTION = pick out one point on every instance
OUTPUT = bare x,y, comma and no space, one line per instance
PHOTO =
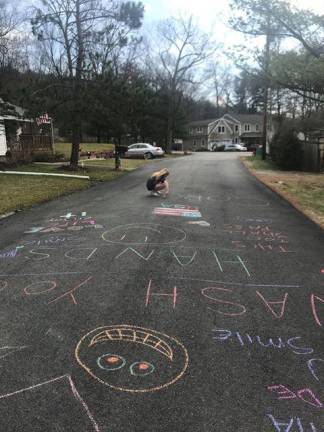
141,368
111,362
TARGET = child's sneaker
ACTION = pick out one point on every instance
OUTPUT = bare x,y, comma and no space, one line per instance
154,194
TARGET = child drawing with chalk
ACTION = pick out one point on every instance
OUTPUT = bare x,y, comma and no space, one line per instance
157,183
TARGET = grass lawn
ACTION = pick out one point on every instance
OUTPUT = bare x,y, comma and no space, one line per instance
304,190
21,191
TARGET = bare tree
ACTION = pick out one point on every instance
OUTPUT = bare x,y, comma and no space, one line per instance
68,29
182,49
221,83
9,21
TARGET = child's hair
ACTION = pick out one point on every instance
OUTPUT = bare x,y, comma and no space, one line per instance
162,173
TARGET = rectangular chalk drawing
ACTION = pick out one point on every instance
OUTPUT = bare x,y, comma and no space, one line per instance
177,210
50,405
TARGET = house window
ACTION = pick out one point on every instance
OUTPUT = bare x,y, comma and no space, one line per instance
236,140
194,142
257,128
236,128
203,142
221,129
199,129
247,127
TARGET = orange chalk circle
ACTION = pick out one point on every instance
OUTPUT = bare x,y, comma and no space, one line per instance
162,353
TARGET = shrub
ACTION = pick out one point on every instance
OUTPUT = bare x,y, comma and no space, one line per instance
201,149
286,149
48,157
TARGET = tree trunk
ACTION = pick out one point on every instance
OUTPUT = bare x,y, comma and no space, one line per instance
169,140
76,127
74,159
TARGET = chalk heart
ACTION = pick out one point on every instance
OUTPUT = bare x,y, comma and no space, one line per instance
132,359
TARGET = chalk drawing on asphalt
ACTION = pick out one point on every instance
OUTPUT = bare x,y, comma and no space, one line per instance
184,260
177,210
200,223
144,233
31,390
134,251
68,222
132,359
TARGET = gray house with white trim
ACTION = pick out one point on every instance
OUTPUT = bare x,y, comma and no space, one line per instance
245,129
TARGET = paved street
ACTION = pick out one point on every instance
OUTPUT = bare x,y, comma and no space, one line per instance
201,312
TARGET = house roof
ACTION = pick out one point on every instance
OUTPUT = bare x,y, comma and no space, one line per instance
242,118
10,111
247,118
201,122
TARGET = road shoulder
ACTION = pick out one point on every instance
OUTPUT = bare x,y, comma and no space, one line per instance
281,183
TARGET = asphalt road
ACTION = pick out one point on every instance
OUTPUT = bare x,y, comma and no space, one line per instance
201,312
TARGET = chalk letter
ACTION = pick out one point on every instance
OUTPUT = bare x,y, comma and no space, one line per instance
86,257
311,367
308,396
224,334
313,298
42,256
137,253
241,309
280,344
188,258
29,291
270,305
283,392
278,424
299,350
149,294
71,292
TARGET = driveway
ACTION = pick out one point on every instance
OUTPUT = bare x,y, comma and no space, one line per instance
201,312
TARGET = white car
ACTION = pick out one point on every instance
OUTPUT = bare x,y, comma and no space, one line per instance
145,150
234,147
219,145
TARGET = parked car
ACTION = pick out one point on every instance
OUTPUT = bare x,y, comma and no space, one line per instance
234,147
219,145
144,150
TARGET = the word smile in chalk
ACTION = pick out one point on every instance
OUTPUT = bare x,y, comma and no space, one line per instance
293,344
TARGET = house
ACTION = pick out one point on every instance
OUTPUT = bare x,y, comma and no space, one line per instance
20,135
245,129
197,136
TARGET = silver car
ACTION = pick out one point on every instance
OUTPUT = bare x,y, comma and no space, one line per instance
234,147
144,150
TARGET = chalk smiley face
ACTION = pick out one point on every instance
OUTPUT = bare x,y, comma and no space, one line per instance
132,359
144,234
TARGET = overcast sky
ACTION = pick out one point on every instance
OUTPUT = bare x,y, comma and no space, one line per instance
212,15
